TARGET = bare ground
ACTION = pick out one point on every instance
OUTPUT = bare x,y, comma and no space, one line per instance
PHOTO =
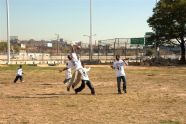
156,95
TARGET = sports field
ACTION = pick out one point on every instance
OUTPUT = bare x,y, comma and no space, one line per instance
156,95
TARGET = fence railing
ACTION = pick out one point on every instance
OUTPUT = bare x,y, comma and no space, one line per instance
104,51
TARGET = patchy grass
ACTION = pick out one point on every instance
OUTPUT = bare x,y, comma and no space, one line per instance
155,95
169,122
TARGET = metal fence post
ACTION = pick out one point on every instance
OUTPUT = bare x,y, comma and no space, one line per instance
115,47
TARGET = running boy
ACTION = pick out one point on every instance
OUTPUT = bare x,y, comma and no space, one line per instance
85,80
118,65
19,74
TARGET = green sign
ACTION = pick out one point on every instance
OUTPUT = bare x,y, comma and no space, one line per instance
140,41
149,38
149,41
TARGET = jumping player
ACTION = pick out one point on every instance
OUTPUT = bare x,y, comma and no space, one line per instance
118,65
76,64
19,74
85,80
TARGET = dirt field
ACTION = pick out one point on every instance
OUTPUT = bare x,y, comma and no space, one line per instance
156,95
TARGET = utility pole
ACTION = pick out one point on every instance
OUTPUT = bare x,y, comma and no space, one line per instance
8,32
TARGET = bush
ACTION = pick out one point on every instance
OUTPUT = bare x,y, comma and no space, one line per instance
149,52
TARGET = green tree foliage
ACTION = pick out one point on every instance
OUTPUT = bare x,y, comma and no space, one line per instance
150,38
3,47
149,52
16,48
169,22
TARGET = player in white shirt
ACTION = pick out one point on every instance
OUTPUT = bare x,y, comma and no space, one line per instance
68,74
85,80
19,74
118,65
76,65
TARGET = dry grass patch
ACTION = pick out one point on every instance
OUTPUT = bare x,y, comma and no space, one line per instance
155,95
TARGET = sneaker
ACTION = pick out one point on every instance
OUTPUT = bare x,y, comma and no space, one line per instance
93,94
93,91
68,88
76,92
119,92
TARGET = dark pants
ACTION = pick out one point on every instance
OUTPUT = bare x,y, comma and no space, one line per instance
83,86
18,77
119,83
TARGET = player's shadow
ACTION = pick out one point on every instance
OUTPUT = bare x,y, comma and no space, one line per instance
49,84
39,96
97,94
32,97
45,84
106,94
57,95
51,94
3,83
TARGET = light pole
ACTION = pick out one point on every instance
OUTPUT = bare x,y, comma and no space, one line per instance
57,43
8,32
90,45
90,36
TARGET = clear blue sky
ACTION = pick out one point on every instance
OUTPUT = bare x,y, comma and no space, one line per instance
42,19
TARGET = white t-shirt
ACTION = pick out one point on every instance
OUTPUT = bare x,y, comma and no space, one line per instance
76,61
84,75
119,67
20,72
68,73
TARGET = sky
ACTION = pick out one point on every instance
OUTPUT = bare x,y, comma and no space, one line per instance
43,19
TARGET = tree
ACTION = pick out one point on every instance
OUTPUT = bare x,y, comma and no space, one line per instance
3,47
169,22
16,48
